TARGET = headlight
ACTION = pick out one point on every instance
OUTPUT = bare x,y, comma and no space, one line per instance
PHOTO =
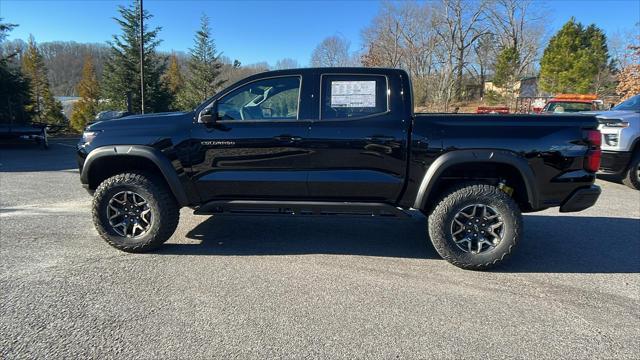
616,123
611,139
88,136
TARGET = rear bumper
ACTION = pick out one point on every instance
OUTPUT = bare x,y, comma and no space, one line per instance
614,162
581,199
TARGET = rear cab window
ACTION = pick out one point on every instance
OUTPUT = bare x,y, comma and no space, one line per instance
353,96
562,107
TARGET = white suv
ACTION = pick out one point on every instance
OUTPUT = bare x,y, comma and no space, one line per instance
620,129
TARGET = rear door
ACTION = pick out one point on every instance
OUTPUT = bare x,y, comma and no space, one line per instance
256,147
359,143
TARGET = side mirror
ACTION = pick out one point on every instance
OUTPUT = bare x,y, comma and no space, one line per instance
208,115
206,119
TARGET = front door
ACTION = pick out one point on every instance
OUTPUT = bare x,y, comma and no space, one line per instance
256,147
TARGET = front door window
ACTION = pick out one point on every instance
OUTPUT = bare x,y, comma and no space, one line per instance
269,99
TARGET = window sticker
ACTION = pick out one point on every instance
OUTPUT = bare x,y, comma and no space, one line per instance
353,94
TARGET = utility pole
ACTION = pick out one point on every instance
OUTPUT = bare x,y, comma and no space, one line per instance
142,57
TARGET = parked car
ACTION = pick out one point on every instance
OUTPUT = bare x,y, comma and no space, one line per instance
32,131
620,129
338,141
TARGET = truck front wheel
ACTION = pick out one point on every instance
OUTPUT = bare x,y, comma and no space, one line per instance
475,226
134,212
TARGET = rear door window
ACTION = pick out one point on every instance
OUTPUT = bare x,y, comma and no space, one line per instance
353,96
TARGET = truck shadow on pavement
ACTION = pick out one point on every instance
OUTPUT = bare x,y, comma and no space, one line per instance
297,235
577,244
552,244
610,178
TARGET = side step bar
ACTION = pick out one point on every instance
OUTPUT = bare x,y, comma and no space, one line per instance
299,208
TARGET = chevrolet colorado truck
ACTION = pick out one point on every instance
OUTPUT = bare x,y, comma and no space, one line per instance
338,141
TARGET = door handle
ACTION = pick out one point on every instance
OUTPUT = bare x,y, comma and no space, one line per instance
288,138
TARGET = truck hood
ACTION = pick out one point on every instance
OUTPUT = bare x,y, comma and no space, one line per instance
614,114
135,121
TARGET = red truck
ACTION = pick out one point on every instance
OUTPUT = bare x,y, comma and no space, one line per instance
572,103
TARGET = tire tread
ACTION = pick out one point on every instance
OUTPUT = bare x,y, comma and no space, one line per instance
445,206
168,216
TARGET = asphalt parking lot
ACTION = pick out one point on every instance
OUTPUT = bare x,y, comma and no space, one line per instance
312,287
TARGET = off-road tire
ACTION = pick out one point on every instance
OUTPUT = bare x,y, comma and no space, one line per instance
161,202
630,177
464,195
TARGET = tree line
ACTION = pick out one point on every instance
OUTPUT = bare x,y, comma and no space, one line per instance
105,77
24,85
448,47
451,47
172,82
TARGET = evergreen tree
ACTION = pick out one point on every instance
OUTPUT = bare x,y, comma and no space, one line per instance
43,105
174,81
121,74
574,59
52,111
14,95
506,67
86,108
599,62
506,70
5,28
204,67
14,88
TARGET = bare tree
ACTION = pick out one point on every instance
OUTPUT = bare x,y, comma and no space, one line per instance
518,24
484,52
462,23
621,44
444,44
332,51
286,63
234,71
402,35
383,39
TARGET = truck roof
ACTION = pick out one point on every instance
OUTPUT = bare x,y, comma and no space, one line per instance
575,98
572,101
330,70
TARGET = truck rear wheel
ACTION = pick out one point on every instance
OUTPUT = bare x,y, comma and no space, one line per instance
632,176
475,226
134,212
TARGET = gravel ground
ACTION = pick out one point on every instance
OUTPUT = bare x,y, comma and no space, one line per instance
294,287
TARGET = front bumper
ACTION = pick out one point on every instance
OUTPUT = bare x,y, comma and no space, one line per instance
614,162
581,199
81,156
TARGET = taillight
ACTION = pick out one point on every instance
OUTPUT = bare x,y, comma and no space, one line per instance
594,154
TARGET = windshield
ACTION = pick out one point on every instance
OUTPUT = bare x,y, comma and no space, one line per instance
632,104
562,107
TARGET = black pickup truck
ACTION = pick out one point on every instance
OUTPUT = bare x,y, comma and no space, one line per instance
338,141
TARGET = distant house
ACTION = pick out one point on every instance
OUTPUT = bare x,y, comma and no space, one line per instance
529,86
525,87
